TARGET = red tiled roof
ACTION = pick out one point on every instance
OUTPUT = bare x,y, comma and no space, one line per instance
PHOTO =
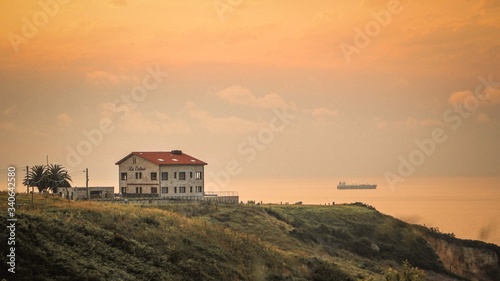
166,158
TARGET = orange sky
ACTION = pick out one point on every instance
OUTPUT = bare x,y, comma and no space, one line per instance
223,72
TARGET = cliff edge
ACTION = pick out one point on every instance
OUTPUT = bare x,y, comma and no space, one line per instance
470,259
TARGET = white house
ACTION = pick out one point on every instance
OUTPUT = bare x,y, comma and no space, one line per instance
161,174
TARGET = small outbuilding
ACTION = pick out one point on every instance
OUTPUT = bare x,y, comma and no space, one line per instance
80,193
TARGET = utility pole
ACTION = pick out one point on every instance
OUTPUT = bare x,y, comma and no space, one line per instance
27,184
47,160
28,188
87,182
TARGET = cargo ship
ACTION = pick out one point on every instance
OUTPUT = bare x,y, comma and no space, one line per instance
343,185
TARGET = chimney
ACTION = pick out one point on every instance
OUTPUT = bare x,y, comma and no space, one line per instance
177,152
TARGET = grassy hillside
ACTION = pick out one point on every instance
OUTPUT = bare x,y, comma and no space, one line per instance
95,241
356,237
105,241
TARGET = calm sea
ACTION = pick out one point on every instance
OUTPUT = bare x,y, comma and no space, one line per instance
467,207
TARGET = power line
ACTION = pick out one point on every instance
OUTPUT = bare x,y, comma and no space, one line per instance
18,167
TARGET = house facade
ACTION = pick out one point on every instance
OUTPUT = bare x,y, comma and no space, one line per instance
161,174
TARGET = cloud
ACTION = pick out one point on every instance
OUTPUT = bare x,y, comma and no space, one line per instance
135,121
323,112
215,124
492,96
412,123
8,126
243,96
322,116
488,5
380,123
107,109
118,3
323,18
65,120
99,77
408,123
156,122
173,126
9,110
460,97
489,97
483,117
16,130
102,77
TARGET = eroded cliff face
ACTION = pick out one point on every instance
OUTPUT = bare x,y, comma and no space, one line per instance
470,262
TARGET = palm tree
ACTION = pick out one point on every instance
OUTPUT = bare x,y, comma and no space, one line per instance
37,176
57,177
49,177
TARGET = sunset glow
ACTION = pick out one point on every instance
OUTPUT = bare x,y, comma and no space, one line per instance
285,90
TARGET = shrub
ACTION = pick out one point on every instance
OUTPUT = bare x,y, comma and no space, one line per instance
409,274
322,270
277,215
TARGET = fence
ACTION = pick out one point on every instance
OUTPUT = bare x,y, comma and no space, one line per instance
229,197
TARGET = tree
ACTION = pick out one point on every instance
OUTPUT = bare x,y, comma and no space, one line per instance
37,177
49,177
57,177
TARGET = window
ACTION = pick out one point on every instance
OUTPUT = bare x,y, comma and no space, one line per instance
182,175
164,189
138,190
124,176
182,189
199,189
175,189
164,176
133,160
95,194
175,175
138,175
154,189
198,176
190,175
124,190
154,176
191,189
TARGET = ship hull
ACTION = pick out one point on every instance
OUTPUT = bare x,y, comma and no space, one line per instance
358,186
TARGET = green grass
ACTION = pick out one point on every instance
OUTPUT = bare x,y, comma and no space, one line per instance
343,227
58,240
99,241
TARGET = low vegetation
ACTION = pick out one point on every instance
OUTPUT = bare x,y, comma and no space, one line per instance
199,241
96,241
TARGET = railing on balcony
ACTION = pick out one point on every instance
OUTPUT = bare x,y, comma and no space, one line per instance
220,193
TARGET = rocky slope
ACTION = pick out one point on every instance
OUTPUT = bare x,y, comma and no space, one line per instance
476,262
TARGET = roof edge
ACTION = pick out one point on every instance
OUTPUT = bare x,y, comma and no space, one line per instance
139,153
